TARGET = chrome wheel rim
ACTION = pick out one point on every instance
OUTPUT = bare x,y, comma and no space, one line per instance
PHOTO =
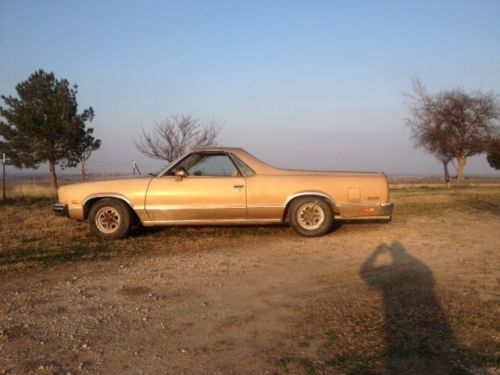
310,216
108,219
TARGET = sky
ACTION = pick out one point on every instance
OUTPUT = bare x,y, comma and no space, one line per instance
305,84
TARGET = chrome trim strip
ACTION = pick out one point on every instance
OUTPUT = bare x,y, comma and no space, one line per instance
314,193
211,222
355,218
107,195
192,207
266,206
359,205
191,177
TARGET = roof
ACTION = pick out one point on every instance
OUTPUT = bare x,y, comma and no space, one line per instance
262,168
216,148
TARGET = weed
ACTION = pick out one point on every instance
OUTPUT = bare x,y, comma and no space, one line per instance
353,364
331,336
304,362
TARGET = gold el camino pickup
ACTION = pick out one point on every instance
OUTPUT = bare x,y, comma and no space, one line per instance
222,185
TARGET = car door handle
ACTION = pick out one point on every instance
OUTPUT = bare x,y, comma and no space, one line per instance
238,186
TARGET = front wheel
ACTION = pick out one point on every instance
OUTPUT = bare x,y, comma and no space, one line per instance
110,219
310,216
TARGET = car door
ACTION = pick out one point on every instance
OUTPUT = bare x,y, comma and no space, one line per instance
213,190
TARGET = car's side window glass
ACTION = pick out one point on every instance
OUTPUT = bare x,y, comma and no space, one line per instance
185,164
247,171
213,165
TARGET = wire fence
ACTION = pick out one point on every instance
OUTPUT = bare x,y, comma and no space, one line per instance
95,170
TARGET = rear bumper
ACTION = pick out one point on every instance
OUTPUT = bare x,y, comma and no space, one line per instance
379,211
60,209
386,208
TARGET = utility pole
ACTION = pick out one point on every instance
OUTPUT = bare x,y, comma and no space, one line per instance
3,176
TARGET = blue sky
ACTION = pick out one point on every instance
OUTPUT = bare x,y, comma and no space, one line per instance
309,84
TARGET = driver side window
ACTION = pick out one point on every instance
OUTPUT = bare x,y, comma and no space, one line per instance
213,165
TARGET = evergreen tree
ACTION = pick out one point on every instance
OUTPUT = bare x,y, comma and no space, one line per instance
43,125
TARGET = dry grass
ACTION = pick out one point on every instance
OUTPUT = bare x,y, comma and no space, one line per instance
405,322
32,235
30,192
408,328
440,201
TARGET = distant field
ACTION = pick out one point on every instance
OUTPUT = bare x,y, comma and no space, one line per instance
403,182
417,295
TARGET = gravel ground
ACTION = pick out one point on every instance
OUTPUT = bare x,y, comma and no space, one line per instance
258,307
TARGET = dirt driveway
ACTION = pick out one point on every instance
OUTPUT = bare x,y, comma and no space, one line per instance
418,294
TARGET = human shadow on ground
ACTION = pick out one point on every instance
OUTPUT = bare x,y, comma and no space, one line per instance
418,337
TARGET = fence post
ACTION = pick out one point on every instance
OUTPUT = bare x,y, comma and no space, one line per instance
3,177
135,168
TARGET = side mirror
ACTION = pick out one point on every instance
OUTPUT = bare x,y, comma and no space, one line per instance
180,174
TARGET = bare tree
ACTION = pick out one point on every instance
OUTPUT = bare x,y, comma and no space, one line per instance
426,131
175,136
494,154
452,125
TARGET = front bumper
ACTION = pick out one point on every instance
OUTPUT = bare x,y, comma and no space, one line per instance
386,208
60,209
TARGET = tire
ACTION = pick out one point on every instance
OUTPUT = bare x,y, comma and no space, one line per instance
310,216
110,219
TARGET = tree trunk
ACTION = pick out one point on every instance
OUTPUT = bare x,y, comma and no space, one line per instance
446,174
461,162
84,169
52,172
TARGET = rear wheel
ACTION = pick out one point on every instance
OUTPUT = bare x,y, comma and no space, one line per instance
310,216
109,219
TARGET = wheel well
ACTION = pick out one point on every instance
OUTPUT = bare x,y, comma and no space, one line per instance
289,203
90,203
